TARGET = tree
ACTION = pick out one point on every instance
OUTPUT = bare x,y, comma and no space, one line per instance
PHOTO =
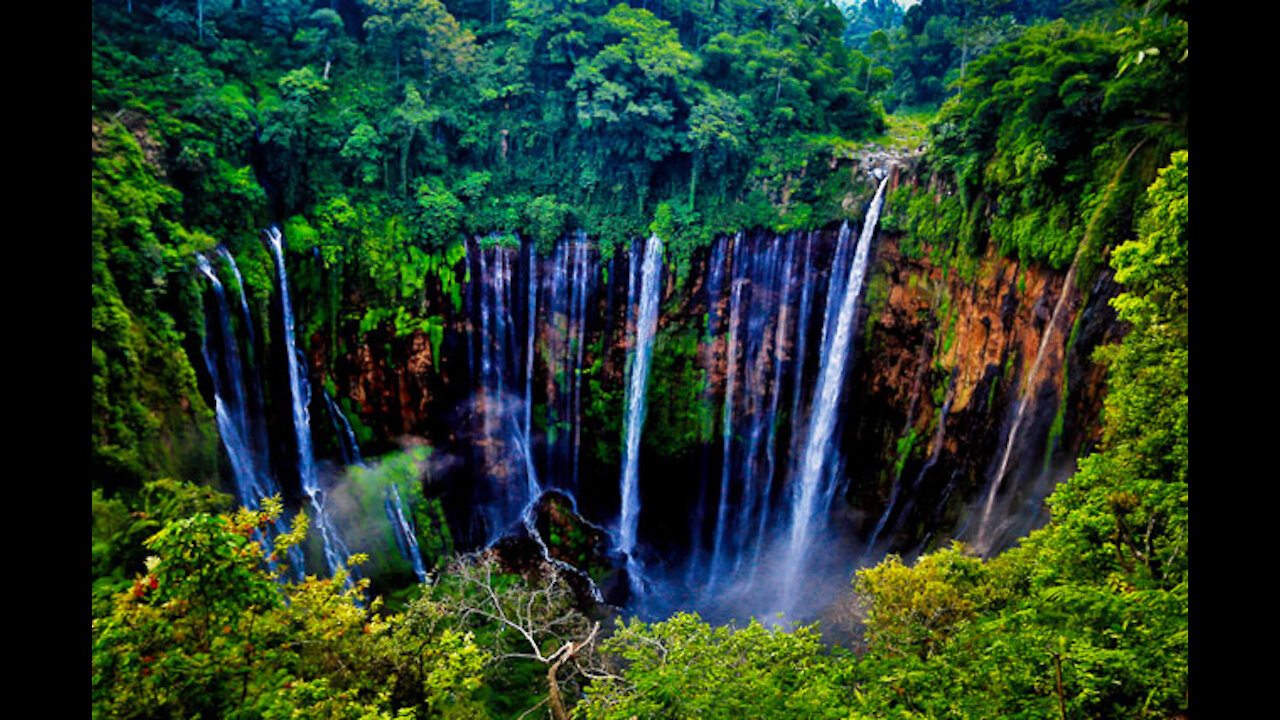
409,118
878,47
209,631
718,128
915,610
423,33
519,620
325,37
182,638
633,88
121,523
364,149
683,667
1125,512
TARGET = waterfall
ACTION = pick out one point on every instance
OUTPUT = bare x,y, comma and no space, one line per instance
779,339
715,279
760,323
256,432
505,424
232,415
229,411
244,301
760,360
646,323
726,432
531,315
335,552
798,386
347,445
228,379
1067,299
490,383
406,535
568,291
814,482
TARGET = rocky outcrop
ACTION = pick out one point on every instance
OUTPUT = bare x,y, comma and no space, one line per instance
953,351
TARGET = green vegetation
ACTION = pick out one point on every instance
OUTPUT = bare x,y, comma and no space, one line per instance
148,418
482,118
206,631
682,667
1088,616
1034,172
678,415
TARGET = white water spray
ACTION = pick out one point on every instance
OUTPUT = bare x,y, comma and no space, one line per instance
646,326
818,450
335,552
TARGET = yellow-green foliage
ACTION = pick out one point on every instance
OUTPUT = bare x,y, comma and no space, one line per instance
683,667
207,631
913,610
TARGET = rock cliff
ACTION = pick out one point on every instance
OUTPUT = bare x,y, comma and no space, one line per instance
950,361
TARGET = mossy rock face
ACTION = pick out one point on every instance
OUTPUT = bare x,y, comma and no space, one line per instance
578,548
568,537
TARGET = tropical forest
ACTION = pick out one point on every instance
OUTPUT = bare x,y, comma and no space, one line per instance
631,359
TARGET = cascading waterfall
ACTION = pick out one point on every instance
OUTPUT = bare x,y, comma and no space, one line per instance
646,324
760,325
765,502
232,414
348,448
505,420
531,325
568,290
244,301
335,552
772,281
779,339
985,539
760,292
813,493
715,280
406,535
806,309
759,356
228,383
257,429
718,551
759,298
778,471
775,352
508,435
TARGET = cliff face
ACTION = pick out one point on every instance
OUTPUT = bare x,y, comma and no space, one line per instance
956,358
950,360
